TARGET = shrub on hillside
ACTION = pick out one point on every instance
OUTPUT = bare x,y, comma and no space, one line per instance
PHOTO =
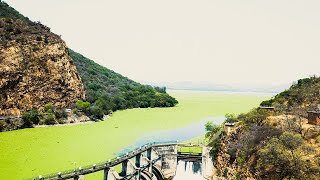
254,117
60,113
30,117
2,126
49,108
286,156
49,119
230,118
96,112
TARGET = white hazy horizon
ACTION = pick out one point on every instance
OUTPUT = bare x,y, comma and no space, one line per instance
259,43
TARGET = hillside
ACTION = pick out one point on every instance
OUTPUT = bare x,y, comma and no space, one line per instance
304,93
39,73
100,82
272,144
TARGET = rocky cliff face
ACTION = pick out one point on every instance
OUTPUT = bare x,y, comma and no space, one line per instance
35,68
227,166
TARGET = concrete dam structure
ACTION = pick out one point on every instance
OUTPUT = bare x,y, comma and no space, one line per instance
155,161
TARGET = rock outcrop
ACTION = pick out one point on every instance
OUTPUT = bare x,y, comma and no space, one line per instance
228,167
35,68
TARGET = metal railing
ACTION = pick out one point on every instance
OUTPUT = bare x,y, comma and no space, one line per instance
102,165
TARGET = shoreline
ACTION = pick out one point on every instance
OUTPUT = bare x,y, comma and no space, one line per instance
66,124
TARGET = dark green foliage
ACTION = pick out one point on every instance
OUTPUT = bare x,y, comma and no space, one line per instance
119,103
267,103
26,123
48,116
83,106
30,117
215,145
49,108
161,89
49,119
105,103
51,115
60,113
2,126
8,12
112,91
96,112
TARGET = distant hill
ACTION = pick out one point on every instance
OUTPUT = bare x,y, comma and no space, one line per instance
209,86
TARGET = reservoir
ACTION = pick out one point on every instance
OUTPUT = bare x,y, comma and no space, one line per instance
182,134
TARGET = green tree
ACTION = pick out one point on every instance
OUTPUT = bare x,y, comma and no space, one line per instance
120,103
211,129
213,134
105,103
83,106
96,112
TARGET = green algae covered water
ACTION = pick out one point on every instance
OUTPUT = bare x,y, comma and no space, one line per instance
31,152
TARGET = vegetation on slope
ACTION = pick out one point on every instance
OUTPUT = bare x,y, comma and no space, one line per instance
275,144
304,92
112,91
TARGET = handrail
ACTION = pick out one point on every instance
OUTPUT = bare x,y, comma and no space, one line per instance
105,164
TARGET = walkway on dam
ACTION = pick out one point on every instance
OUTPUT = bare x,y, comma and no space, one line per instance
154,158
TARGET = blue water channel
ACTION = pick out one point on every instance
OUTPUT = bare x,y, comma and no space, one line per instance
175,135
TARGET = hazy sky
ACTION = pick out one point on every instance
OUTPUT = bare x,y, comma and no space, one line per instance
244,42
